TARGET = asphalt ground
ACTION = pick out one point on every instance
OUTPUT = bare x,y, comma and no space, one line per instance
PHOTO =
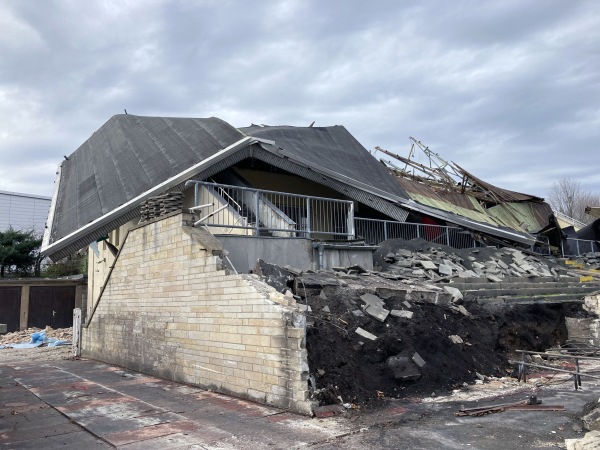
77,404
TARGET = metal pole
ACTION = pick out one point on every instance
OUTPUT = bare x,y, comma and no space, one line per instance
308,218
418,230
385,234
577,242
351,230
448,236
257,213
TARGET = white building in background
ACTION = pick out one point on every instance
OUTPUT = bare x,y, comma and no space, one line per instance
23,211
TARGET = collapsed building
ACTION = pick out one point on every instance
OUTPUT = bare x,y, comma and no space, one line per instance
177,211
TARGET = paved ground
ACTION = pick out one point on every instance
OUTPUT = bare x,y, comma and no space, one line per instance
86,404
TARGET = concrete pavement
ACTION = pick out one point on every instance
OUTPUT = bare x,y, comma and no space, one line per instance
87,404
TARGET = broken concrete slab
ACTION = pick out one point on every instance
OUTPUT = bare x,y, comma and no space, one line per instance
418,360
407,304
454,292
365,334
377,312
428,265
444,269
402,314
494,278
326,309
373,300
358,313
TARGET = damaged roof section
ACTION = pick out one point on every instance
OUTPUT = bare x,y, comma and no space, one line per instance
448,187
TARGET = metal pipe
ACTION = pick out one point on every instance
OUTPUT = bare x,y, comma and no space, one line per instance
210,215
194,208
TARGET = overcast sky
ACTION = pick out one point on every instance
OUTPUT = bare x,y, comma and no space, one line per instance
509,90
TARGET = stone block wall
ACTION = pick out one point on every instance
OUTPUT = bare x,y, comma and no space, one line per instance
168,309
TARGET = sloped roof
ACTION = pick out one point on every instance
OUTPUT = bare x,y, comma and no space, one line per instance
100,185
127,156
334,149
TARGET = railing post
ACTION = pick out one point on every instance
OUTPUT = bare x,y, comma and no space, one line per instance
448,236
418,230
257,214
196,188
308,218
577,244
385,234
351,230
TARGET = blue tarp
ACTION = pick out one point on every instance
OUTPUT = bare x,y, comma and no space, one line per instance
38,339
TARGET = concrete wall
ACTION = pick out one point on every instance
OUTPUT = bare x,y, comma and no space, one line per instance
168,309
244,252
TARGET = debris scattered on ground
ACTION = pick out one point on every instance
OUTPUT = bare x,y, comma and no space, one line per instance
404,329
422,260
37,335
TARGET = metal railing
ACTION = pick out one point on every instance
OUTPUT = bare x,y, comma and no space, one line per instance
577,247
375,231
542,247
242,210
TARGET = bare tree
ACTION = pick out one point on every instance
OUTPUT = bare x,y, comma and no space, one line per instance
570,198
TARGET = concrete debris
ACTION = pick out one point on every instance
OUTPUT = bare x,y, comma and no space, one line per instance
365,334
17,337
591,441
418,360
372,300
402,314
403,368
456,339
377,312
455,293
447,262
428,265
326,309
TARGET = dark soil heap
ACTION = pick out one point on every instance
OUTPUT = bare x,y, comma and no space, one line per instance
346,364
427,344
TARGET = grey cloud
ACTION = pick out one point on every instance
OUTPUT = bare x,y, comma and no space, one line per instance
507,89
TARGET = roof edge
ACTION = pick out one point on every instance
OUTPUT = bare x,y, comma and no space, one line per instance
49,249
50,220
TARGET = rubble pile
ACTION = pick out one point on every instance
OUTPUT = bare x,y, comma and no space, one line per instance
18,337
402,330
420,259
591,259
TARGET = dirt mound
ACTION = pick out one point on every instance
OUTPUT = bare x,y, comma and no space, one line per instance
358,369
